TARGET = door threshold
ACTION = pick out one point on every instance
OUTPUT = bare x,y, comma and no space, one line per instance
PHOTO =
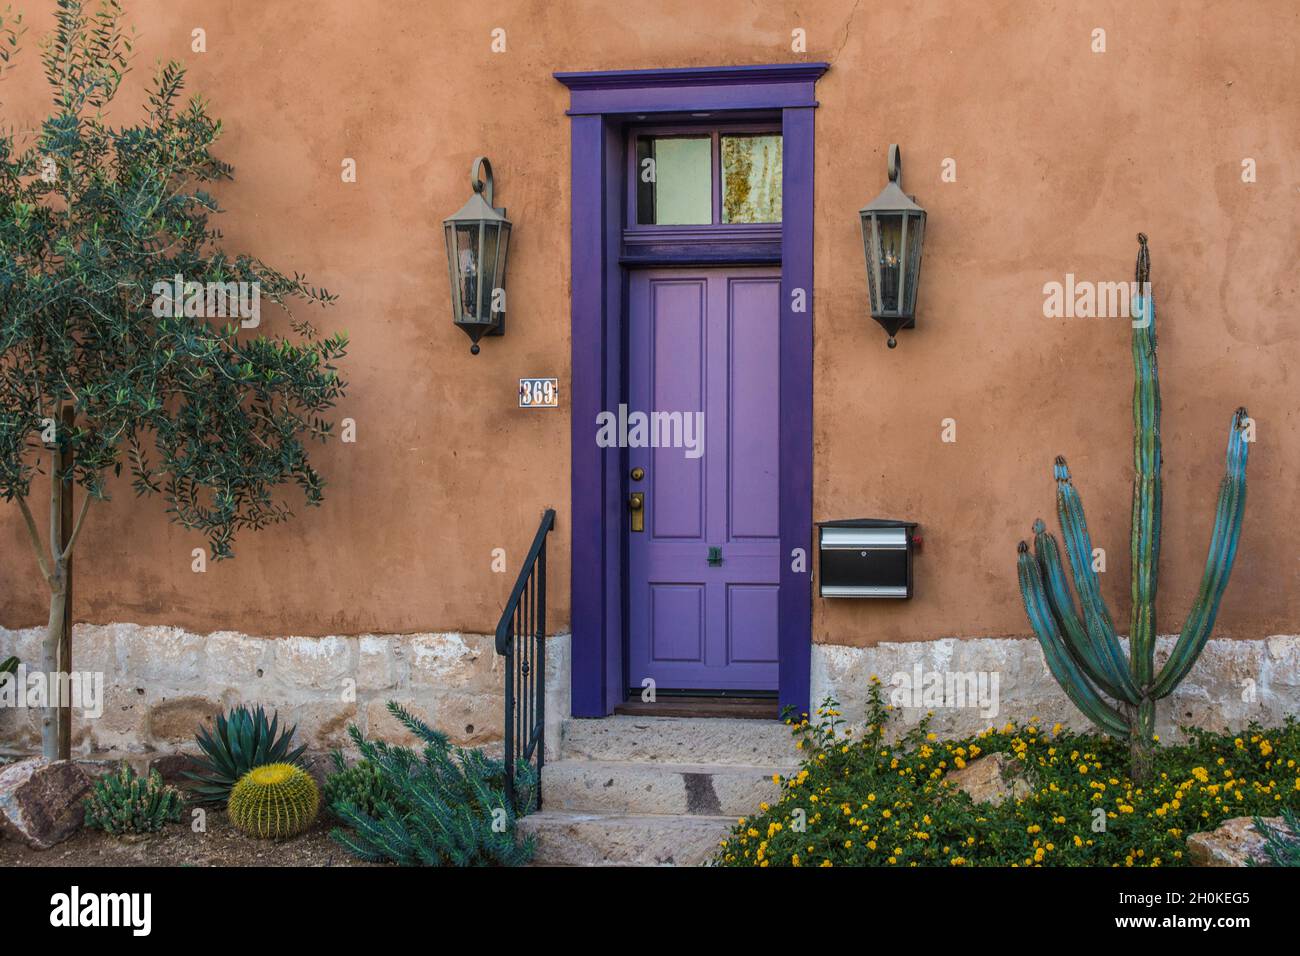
746,708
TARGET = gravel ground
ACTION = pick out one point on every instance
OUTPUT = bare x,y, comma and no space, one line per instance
178,845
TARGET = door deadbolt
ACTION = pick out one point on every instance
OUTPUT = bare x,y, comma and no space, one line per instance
638,473
636,506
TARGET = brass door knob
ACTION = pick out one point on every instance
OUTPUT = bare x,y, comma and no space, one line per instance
636,505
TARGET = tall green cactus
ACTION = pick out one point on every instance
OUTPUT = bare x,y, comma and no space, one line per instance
1081,647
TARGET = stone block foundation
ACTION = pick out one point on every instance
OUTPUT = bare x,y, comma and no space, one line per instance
973,684
161,683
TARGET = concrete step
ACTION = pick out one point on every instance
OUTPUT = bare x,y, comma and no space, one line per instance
680,740
604,786
589,839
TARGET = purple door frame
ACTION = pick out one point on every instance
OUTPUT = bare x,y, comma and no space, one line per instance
600,103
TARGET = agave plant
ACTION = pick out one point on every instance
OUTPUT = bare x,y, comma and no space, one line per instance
242,740
1082,649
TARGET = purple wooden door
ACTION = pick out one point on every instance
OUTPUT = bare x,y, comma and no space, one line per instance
704,340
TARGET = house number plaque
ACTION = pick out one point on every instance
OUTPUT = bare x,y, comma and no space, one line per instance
539,393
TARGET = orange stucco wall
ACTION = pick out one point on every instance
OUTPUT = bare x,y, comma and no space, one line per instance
1062,156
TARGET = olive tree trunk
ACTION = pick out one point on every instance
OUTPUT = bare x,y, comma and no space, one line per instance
56,648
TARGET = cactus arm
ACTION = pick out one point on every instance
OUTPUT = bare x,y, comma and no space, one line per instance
1145,535
1087,654
1059,662
1218,564
1078,545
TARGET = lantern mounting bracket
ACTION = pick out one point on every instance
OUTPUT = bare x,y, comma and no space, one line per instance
480,178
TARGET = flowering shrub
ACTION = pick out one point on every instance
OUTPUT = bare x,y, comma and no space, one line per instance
860,800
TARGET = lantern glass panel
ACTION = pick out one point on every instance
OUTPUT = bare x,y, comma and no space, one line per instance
887,252
465,252
499,273
915,238
488,269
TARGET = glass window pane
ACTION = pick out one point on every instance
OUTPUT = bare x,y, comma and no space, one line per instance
674,176
751,178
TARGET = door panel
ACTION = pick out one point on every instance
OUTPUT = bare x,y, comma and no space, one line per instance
704,340
752,438
676,379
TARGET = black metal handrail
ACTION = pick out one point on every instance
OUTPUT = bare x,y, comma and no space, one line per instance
521,639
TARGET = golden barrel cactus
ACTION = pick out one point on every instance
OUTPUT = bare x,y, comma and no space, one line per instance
274,801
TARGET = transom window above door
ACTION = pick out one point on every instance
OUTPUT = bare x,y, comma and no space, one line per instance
701,177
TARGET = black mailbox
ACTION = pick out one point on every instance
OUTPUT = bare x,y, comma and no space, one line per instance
866,558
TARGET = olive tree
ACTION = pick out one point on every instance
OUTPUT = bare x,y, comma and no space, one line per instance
126,331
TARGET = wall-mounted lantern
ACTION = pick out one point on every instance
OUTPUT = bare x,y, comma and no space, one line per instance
893,229
478,238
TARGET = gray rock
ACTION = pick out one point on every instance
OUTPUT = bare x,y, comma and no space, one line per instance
991,779
40,800
1235,843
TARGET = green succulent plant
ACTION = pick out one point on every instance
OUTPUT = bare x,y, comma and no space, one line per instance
449,806
363,785
1282,842
273,802
1079,642
123,802
241,740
